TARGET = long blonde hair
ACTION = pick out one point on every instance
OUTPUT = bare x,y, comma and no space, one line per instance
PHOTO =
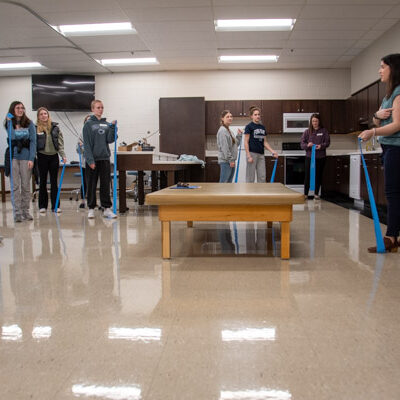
43,127
225,126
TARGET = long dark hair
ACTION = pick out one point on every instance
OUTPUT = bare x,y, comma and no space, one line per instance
227,127
310,126
23,122
393,61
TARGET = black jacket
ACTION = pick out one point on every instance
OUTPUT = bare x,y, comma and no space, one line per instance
41,139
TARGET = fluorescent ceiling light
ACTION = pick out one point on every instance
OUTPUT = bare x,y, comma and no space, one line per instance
129,61
96,29
24,65
254,24
248,59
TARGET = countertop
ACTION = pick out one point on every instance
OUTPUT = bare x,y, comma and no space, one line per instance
214,153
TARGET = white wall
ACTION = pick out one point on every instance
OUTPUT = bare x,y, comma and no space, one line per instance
132,98
364,68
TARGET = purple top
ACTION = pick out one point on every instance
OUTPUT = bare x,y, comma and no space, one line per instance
321,137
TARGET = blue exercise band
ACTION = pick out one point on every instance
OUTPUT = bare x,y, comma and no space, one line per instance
115,171
312,170
10,116
238,163
59,188
380,246
274,171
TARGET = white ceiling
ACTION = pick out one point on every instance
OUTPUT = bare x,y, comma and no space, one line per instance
180,33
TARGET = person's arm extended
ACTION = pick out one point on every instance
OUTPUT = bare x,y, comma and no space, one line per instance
87,145
111,132
32,142
61,151
388,129
268,147
246,147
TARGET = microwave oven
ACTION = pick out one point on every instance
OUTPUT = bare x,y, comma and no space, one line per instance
296,122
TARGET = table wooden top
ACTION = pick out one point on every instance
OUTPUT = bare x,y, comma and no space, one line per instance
227,193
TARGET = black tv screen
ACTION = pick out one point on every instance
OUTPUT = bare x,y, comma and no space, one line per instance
62,92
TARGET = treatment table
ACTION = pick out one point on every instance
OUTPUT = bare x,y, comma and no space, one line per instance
269,202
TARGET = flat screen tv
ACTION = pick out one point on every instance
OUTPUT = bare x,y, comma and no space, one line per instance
62,92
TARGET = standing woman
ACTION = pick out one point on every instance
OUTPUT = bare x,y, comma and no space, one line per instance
50,144
23,148
318,135
227,147
255,140
387,122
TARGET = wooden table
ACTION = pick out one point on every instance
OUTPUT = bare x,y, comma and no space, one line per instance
226,202
141,161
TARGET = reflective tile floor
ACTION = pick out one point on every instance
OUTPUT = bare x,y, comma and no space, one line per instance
89,310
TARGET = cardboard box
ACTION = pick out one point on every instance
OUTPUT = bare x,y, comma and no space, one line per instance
128,147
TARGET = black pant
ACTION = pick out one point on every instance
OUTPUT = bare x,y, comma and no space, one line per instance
319,169
84,183
48,165
102,171
391,163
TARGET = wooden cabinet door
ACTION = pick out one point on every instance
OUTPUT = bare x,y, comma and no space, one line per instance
325,112
361,109
351,114
344,178
272,116
309,106
291,106
182,125
381,198
212,169
279,173
373,101
338,112
328,183
381,92
235,107
371,160
249,103
213,116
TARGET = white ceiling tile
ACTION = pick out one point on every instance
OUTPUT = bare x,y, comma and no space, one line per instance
248,52
186,53
51,51
163,3
362,44
254,3
301,44
177,26
291,11
335,24
352,2
43,6
85,17
326,34
386,23
344,11
313,51
170,14
373,35
110,43
9,53
244,44
121,54
354,51
285,58
394,12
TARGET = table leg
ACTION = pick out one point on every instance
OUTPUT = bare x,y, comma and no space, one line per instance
166,239
285,240
140,188
190,224
3,186
122,190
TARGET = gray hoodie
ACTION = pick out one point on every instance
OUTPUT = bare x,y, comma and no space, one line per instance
227,150
97,134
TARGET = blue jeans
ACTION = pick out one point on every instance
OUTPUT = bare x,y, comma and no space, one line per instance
226,173
391,163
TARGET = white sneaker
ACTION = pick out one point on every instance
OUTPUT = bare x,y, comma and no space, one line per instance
42,211
109,214
59,211
91,214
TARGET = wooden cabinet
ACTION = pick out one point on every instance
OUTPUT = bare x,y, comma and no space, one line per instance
212,169
338,116
373,101
280,169
336,176
272,116
376,177
351,115
296,106
213,116
240,108
381,92
182,125
325,112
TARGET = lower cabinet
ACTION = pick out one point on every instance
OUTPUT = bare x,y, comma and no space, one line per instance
336,176
280,169
212,169
376,176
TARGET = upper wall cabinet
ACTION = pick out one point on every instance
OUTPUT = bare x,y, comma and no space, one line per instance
240,108
272,116
296,106
338,116
213,116
373,100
